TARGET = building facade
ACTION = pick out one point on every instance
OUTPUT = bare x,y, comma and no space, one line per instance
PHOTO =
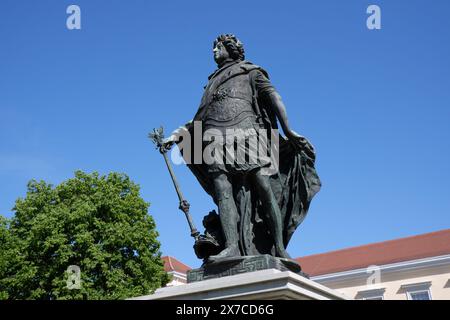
176,269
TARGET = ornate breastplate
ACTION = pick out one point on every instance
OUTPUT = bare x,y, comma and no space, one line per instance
230,101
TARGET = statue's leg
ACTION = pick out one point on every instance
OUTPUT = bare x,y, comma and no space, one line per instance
228,216
271,208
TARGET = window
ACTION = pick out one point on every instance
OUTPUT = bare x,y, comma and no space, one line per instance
420,295
374,294
418,291
374,298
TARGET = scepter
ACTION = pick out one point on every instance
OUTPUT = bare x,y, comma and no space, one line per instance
157,136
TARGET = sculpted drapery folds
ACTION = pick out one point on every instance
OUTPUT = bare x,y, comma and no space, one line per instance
260,202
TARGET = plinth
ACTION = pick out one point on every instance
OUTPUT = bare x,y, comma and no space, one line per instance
263,284
243,264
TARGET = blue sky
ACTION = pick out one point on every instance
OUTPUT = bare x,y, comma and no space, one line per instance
376,104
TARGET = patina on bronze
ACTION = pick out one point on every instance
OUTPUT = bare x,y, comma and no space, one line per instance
258,213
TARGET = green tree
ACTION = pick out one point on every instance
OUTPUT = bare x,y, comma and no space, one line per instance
98,223
5,254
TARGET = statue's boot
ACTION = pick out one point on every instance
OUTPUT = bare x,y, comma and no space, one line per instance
228,252
282,253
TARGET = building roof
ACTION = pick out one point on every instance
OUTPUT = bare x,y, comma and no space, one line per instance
173,265
380,253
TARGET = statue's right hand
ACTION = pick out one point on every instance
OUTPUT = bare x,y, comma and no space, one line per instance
168,143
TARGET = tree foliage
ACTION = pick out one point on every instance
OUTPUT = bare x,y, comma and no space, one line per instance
99,223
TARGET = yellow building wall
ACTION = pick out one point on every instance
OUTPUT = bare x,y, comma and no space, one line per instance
392,282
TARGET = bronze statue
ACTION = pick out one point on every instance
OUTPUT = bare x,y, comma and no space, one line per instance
258,212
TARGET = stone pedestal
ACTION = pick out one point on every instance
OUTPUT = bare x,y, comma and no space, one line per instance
243,264
263,284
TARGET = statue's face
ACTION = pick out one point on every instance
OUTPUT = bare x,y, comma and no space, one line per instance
220,53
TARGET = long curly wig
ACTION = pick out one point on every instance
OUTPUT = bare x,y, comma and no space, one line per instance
233,45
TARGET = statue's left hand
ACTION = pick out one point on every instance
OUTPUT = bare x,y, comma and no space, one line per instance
298,141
